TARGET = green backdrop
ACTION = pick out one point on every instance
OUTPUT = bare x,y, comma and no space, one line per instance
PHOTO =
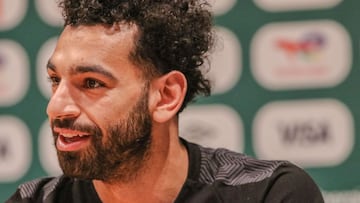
293,88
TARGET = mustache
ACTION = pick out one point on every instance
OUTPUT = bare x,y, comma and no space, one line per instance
72,125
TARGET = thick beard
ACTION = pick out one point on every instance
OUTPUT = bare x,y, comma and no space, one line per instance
120,156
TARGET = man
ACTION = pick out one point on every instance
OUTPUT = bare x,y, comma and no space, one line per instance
121,73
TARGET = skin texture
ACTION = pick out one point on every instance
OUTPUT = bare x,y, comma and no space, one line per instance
173,35
92,83
108,97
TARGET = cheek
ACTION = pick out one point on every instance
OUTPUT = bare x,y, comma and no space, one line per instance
108,109
107,113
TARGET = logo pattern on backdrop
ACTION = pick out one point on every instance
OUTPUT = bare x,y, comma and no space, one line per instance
300,55
11,13
286,5
15,149
312,133
14,68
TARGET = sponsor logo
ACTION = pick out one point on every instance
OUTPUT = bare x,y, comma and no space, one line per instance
11,13
301,55
304,133
47,151
49,12
221,7
308,47
225,62
212,126
42,58
312,133
15,149
14,69
286,5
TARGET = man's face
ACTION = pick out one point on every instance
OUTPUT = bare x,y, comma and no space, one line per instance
99,108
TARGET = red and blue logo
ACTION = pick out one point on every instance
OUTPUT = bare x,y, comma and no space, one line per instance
306,48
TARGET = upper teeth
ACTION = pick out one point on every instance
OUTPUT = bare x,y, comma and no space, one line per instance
73,135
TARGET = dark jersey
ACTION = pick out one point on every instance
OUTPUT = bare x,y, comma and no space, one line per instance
215,175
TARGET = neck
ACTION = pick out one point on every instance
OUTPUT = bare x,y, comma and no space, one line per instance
162,176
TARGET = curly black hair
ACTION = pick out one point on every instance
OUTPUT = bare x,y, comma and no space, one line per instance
173,34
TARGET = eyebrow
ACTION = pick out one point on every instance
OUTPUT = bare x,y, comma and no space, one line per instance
50,66
85,69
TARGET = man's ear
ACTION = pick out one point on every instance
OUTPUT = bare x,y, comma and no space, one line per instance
168,93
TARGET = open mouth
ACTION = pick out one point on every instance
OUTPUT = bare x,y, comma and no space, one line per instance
69,140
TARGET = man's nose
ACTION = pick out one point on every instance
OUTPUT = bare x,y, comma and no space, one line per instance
62,103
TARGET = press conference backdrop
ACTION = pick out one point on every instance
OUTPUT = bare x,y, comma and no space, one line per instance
286,77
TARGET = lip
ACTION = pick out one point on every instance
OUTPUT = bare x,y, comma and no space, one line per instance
71,140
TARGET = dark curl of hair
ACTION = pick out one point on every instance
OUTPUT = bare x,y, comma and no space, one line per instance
173,34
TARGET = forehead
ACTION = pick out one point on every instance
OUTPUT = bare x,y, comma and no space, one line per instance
118,36
98,44
121,34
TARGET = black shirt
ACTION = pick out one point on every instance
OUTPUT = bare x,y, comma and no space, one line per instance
215,175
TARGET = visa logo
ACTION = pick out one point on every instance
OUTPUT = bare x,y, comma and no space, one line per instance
305,133
312,133
308,46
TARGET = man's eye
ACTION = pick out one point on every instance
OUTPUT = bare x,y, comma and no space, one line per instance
92,83
54,81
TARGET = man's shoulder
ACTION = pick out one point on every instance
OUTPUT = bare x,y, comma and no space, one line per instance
238,177
55,189
37,189
233,168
